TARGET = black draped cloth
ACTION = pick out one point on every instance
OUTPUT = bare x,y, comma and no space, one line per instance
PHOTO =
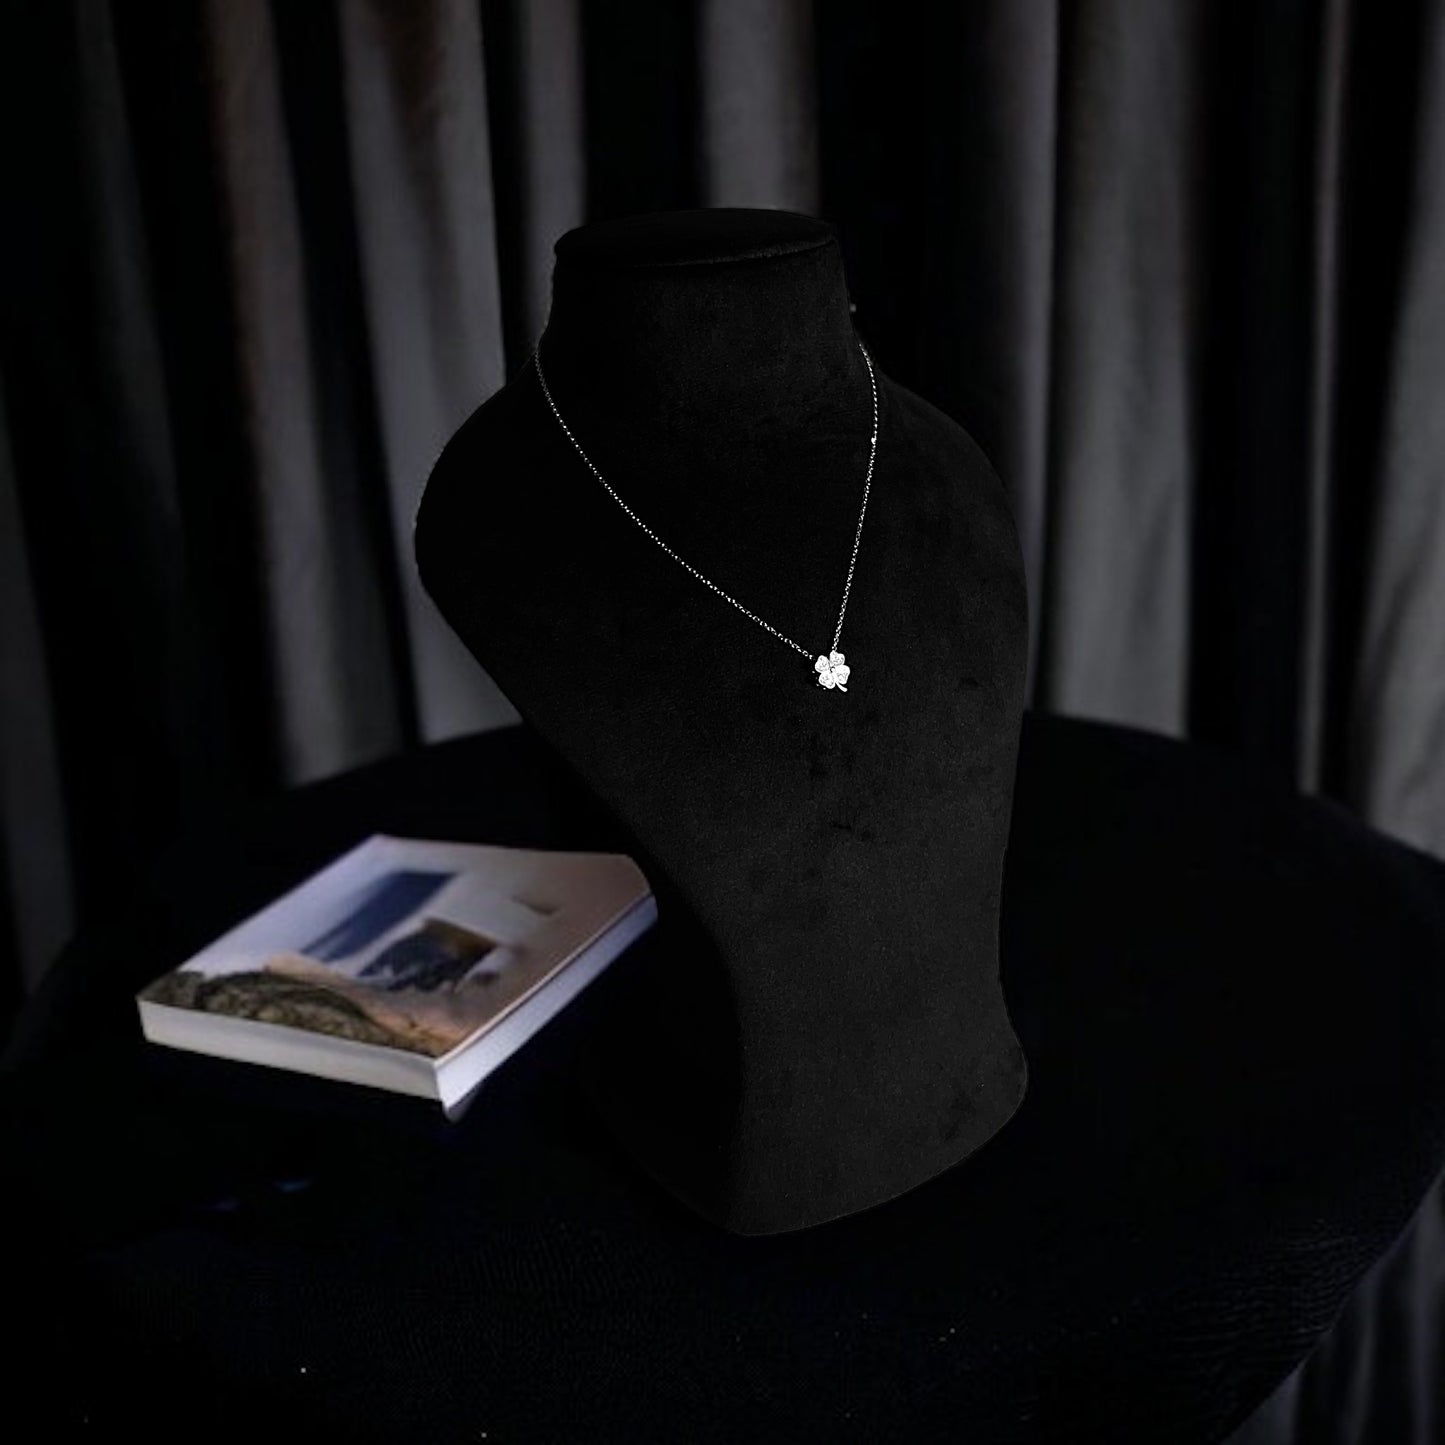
1232,1004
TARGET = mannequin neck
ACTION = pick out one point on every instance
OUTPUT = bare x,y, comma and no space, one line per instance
704,324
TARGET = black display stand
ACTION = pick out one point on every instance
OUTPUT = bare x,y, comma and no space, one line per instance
820,1025
1232,1002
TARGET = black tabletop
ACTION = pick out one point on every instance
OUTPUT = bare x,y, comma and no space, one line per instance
1231,999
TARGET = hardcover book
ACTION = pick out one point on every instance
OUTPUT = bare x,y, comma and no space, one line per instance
407,964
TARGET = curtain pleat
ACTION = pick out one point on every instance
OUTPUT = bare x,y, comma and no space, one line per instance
118,592
539,168
991,367
1398,703
755,92
335,695
1256,246
1122,416
35,881
1327,181
641,127
416,122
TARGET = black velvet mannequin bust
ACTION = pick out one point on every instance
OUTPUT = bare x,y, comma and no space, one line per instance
817,1023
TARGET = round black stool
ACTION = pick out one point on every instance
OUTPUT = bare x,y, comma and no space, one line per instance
1233,1004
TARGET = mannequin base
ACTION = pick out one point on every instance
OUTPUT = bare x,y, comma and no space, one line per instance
672,1102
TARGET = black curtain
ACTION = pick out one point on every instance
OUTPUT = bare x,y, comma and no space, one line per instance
1180,269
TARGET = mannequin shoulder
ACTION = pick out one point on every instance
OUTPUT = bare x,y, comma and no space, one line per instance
489,480
938,444
944,465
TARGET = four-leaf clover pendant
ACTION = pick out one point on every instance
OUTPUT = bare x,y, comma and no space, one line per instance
832,671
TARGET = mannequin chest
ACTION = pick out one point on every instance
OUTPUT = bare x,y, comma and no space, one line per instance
709,738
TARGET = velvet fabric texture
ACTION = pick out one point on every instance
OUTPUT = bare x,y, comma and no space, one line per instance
1232,1004
824,1027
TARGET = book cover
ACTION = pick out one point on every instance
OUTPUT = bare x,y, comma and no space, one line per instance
409,964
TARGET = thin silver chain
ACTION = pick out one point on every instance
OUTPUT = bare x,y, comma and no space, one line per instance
686,565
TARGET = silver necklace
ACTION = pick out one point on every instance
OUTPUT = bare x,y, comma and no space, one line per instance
832,671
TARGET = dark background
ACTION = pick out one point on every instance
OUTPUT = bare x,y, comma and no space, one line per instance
1179,269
